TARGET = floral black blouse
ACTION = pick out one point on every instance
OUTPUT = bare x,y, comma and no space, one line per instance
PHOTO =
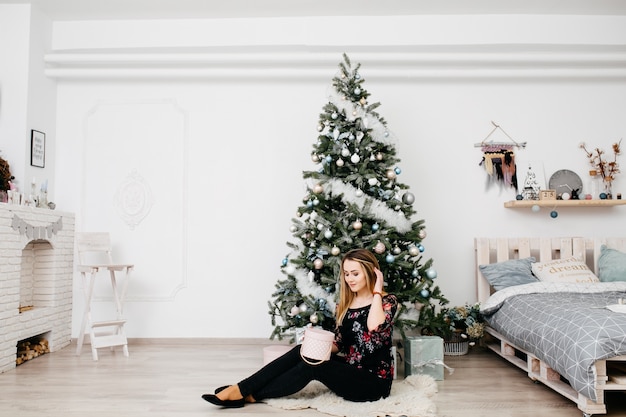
365,349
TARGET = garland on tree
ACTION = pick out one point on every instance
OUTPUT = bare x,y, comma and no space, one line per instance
353,199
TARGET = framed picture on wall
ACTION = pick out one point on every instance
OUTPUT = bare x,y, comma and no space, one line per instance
37,148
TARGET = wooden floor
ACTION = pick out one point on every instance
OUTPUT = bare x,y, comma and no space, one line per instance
162,378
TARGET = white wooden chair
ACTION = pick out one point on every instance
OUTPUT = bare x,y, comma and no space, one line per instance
95,255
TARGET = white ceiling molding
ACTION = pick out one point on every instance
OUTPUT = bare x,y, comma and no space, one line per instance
159,9
457,62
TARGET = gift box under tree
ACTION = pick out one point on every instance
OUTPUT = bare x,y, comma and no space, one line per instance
424,355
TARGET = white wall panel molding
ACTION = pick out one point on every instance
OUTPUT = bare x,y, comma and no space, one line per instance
132,147
392,62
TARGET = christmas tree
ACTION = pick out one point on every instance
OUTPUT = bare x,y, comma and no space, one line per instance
353,200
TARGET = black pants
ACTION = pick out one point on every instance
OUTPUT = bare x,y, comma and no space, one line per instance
288,374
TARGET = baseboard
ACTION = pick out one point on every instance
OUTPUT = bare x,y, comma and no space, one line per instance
197,341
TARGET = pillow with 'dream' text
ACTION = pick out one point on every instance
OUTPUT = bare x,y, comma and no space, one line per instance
564,270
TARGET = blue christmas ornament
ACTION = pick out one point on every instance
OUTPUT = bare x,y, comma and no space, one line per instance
421,247
431,273
425,293
329,159
285,261
309,203
375,227
415,273
554,214
390,258
398,171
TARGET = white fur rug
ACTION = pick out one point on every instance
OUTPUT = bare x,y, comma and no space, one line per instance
411,397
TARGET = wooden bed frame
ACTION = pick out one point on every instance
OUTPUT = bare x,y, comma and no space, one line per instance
610,373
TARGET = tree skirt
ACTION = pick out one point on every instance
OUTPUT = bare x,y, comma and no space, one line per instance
411,397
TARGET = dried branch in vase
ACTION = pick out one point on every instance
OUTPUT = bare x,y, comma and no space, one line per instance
605,168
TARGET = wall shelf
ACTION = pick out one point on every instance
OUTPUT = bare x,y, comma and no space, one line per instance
563,203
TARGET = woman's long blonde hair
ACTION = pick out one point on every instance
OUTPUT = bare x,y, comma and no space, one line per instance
369,263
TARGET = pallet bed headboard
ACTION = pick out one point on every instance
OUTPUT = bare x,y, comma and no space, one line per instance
493,250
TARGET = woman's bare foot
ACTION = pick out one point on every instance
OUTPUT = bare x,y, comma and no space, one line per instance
231,393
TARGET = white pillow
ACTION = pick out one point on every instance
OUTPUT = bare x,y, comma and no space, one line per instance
563,270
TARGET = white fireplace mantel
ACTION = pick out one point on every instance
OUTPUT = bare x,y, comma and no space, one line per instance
36,268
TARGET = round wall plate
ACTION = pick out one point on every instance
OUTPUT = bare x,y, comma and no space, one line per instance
566,181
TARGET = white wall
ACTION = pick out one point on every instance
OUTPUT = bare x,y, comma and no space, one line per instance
219,126
41,95
14,49
27,95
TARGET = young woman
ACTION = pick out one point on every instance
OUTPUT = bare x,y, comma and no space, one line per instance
361,367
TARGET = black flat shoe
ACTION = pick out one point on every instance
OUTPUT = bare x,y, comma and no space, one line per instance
224,403
220,389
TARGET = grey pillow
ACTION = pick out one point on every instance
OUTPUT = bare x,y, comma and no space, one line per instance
509,273
611,265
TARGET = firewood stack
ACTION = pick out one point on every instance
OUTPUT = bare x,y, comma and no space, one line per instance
29,349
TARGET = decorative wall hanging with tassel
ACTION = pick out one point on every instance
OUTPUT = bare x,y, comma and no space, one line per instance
499,159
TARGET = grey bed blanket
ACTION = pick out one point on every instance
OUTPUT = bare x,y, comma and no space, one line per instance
565,325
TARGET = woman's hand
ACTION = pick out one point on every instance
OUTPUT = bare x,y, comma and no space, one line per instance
376,315
380,281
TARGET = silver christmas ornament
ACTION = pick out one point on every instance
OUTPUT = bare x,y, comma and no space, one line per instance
408,198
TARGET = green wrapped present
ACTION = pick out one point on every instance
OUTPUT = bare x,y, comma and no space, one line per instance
424,355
